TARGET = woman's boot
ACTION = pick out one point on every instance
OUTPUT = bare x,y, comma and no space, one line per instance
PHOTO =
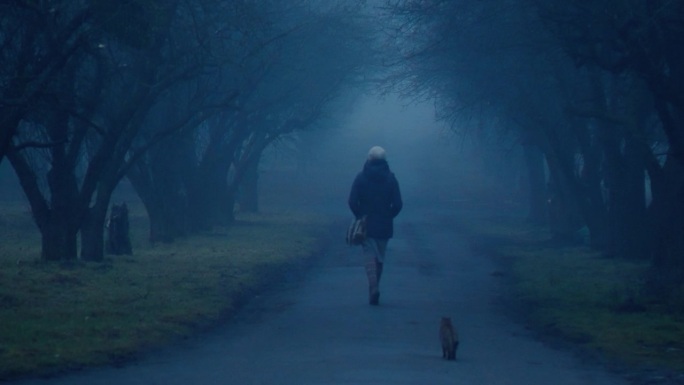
378,269
373,292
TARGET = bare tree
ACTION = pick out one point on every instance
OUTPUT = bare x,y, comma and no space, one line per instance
94,113
294,68
36,43
594,85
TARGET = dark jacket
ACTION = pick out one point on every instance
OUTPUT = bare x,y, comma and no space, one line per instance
375,193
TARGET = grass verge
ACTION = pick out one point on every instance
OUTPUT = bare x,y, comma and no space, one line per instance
574,293
58,317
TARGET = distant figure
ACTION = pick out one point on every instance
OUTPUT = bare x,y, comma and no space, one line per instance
118,239
375,194
449,339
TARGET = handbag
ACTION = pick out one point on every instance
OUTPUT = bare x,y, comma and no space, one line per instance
356,233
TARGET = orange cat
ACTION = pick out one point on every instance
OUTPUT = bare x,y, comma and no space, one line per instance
449,338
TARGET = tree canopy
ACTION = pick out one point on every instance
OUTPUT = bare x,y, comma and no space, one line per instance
95,91
594,87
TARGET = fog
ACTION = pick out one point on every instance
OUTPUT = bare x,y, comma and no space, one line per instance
565,115
429,159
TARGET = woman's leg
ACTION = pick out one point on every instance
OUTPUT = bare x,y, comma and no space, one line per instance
380,260
371,254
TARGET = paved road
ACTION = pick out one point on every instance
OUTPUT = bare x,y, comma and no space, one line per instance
322,331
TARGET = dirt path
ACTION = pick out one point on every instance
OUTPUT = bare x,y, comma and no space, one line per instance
321,330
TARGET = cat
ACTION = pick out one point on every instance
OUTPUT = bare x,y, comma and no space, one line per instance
449,338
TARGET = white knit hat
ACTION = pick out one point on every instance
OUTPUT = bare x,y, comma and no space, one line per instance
376,152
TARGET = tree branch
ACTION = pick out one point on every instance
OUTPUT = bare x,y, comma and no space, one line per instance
36,144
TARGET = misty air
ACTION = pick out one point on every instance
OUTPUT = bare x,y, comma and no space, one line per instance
341,192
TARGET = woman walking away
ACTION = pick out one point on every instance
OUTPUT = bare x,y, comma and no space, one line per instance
375,194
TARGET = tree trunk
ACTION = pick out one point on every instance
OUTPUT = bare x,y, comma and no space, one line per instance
59,219
164,200
627,206
163,224
666,214
58,241
228,209
225,197
534,160
249,189
92,228
9,120
92,234
569,208
118,234
161,228
208,201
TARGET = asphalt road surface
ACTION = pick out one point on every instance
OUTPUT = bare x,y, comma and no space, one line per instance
320,329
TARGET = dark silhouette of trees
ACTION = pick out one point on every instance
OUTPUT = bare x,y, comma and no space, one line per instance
118,231
594,86
93,113
180,97
297,66
36,43
635,41
82,127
